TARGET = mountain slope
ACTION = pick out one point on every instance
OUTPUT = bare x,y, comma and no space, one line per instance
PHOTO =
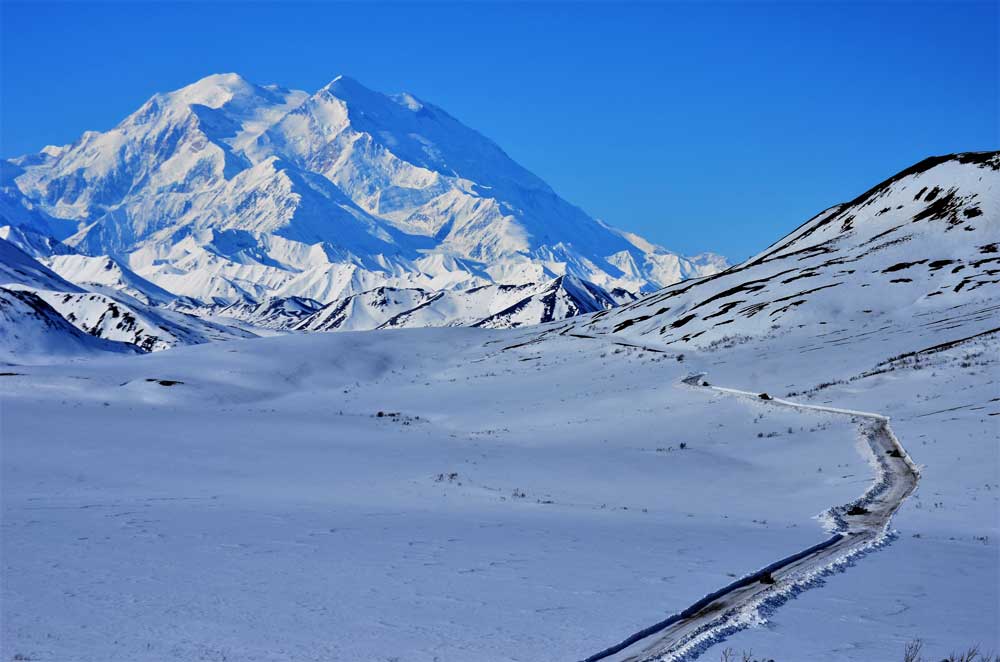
273,313
122,319
20,269
563,298
489,306
366,310
106,272
32,331
33,242
226,191
926,239
107,311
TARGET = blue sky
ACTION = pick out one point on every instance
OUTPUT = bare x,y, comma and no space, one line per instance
701,126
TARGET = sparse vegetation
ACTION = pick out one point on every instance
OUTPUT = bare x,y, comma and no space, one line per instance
396,416
913,652
730,655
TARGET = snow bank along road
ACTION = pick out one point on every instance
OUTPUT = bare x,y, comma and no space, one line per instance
857,527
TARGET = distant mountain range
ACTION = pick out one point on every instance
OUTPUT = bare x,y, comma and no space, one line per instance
229,210
225,191
925,240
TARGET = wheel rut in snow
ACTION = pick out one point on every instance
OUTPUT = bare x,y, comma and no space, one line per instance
860,526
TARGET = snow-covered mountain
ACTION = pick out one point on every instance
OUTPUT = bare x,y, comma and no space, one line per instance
227,191
105,272
32,242
32,331
278,313
19,269
118,317
102,307
925,240
490,306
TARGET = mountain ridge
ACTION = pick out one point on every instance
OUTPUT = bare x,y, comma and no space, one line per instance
226,189
926,237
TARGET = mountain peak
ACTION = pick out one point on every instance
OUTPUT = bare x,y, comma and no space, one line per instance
356,96
320,195
215,90
345,83
349,89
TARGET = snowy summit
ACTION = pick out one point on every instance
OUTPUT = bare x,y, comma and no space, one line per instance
226,190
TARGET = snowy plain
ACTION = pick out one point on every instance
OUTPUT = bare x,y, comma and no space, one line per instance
528,502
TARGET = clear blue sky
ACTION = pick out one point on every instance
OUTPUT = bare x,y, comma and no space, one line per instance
701,126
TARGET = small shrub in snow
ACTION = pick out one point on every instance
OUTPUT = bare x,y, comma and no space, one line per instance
912,652
730,655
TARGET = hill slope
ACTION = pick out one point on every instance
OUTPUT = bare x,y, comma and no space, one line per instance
926,239
31,331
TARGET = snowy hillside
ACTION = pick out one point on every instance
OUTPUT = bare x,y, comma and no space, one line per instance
562,298
490,306
926,239
104,271
19,268
275,313
116,316
32,331
227,191
112,303
32,242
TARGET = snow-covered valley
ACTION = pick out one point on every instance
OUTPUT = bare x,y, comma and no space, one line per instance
531,503
196,467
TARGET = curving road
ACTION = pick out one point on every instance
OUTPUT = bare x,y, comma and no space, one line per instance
860,526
